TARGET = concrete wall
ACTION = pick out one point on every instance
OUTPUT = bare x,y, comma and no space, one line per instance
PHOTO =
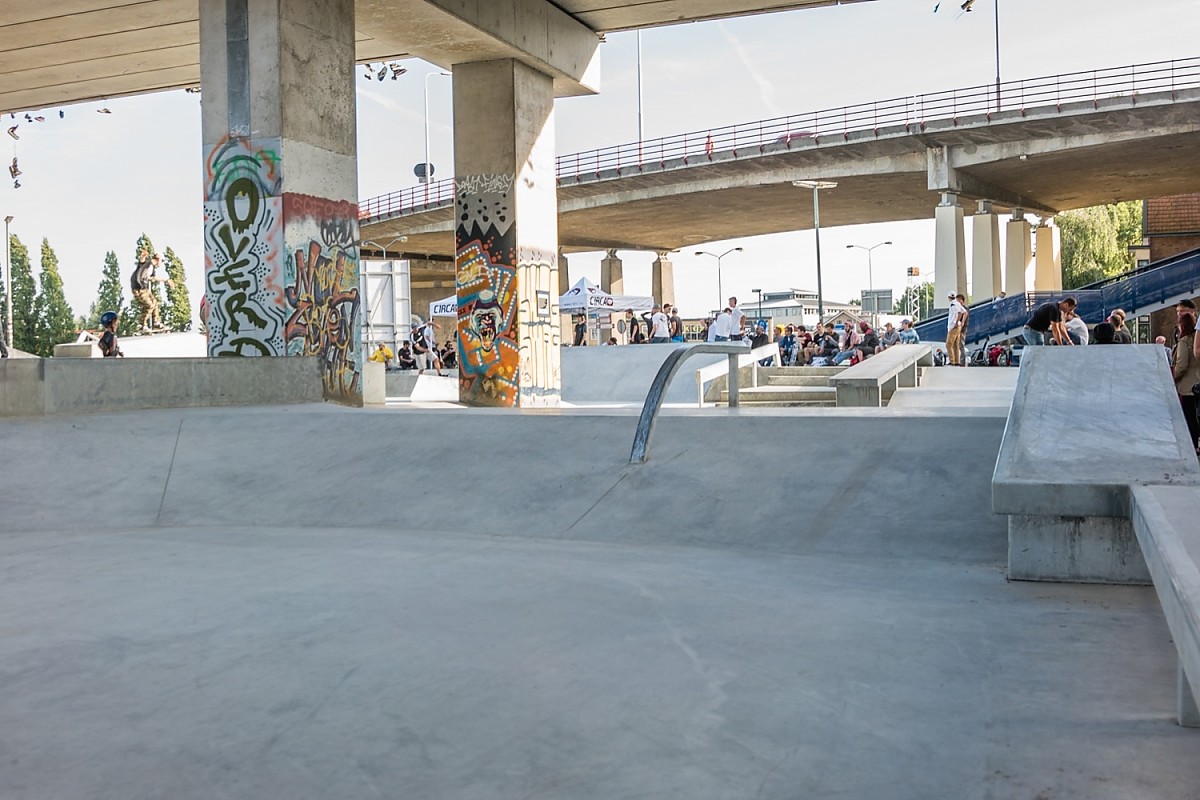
623,374
30,387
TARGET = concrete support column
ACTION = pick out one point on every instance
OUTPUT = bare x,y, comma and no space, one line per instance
985,253
280,184
950,251
662,279
612,274
506,235
1186,709
564,275
1048,255
1018,255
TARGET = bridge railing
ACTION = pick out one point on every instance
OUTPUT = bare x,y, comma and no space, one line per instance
911,112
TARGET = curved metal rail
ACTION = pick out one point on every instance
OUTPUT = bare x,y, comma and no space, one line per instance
658,388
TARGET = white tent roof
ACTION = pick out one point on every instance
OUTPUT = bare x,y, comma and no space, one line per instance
445,308
586,295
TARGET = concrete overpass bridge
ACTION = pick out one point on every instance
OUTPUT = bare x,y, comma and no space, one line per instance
1050,144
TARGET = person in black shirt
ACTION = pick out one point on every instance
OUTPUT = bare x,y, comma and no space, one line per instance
108,342
580,331
1047,320
145,274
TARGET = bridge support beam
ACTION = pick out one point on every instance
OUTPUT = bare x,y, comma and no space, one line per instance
1018,255
985,253
564,274
1048,255
506,235
281,187
662,279
950,251
612,273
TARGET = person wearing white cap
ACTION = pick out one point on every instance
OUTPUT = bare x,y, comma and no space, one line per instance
954,330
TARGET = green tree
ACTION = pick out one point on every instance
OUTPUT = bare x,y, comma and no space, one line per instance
25,322
177,313
1096,240
55,319
110,295
923,293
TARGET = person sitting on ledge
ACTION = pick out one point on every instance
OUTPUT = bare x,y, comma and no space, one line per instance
404,358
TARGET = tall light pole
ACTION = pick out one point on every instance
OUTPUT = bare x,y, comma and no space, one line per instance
720,294
428,167
759,293
8,284
870,277
641,129
966,7
816,187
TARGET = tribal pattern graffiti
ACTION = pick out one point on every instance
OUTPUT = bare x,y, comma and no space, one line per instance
322,290
486,282
243,229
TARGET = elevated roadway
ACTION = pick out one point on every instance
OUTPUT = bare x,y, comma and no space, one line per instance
52,53
1055,143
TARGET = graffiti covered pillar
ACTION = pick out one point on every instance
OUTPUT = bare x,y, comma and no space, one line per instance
506,235
280,184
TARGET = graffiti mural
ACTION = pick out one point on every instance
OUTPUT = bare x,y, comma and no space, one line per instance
322,290
243,242
540,378
486,282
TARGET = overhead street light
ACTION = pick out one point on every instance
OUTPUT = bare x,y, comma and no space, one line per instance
759,293
427,168
816,187
720,294
870,277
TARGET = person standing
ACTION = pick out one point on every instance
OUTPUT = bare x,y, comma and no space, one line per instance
954,331
737,321
720,327
964,323
1122,335
1047,321
580,331
1186,371
145,275
676,325
633,327
660,331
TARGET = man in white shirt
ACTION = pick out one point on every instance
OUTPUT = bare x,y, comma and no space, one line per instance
1077,329
737,321
720,326
954,331
660,330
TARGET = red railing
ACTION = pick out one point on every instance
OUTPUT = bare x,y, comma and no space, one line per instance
813,128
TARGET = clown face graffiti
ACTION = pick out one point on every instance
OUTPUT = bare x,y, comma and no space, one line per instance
485,320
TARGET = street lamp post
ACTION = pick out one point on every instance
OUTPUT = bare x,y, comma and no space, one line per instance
759,293
427,166
8,284
870,278
720,295
816,187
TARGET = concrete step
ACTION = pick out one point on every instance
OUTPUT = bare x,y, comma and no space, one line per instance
785,395
801,380
780,371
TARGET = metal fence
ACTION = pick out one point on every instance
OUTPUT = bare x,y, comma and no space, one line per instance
1153,287
911,113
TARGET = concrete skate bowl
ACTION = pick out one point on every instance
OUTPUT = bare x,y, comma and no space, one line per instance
837,484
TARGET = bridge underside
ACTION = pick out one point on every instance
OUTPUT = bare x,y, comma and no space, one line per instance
54,53
1042,160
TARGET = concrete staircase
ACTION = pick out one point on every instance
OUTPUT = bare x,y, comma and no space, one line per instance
787,386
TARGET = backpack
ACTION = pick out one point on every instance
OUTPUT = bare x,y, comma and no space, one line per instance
418,340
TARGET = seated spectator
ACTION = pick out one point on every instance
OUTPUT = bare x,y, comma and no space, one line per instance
612,340
1104,333
868,340
908,334
1121,334
450,355
404,358
848,347
382,355
890,337
1077,329
787,346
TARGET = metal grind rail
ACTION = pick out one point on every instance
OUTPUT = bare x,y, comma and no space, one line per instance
658,388
911,112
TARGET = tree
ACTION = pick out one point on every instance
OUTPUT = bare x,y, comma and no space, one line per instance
55,319
1096,240
922,294
177,313
110,294
24,294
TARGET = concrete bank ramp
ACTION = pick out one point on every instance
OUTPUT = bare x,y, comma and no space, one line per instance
741,481
623,374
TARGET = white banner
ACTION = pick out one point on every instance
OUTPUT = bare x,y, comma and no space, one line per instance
445,308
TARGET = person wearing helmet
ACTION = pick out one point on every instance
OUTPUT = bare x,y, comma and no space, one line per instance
108,342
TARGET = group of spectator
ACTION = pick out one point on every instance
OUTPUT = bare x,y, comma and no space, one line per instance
826,346
420,353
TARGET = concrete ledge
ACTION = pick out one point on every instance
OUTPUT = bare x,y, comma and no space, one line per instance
79,385
869,382
374,383
77,350
1074,550
1164,520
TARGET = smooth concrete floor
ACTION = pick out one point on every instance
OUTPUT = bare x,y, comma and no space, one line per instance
574,628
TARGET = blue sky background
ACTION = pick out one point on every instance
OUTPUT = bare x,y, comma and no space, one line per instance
94,182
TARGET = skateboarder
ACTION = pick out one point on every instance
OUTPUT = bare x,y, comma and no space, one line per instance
145,274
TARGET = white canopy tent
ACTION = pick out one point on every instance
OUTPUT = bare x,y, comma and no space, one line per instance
586,296
445,308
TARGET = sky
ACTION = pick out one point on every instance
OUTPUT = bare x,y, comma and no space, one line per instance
94,182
